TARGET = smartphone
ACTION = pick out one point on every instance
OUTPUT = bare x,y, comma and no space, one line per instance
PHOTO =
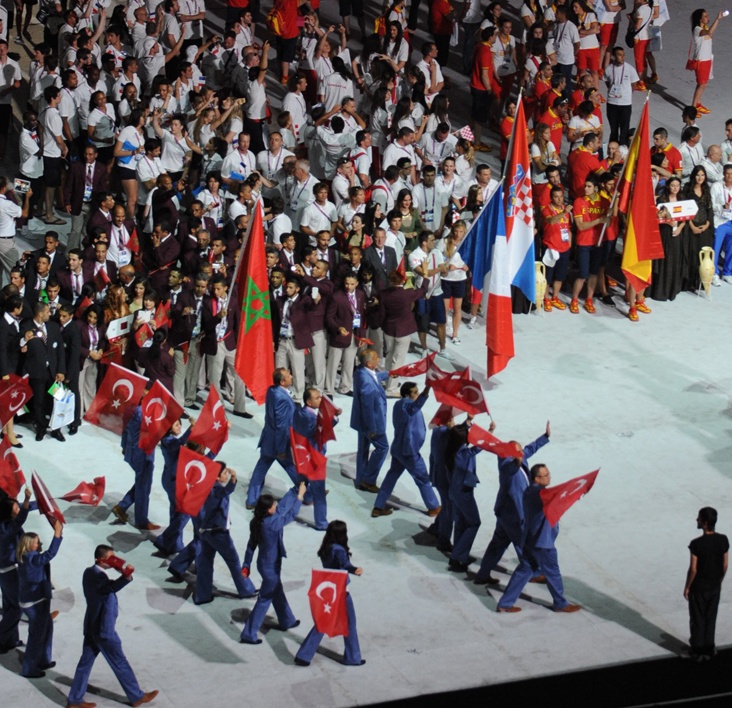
21,185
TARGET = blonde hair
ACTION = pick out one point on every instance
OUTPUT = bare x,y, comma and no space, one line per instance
24,545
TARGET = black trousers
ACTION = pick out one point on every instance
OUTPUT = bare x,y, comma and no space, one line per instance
41,404
703,620
619,119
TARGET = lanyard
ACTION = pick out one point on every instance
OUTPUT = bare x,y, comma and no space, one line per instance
317,206
622,74
277,164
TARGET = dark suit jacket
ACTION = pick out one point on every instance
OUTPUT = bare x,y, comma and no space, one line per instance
284,263
96,219
159,260
34,581
181,326
58,263
188,242
299,315
334,258
66,282
381,272
209,320
397,305
340,314
71,334
101,602
278,413
88,269
325,290
9,348
74,190
85,340
44,360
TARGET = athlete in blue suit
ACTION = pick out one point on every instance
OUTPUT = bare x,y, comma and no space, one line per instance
100,633
368,418
442,526
409,434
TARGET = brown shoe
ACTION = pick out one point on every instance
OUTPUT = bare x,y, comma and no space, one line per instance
149,526
538,579
376,512
83,704
513,608
54,614
146,698
365,487
434,512
568,608
120,513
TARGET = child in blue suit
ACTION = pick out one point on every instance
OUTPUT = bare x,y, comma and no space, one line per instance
266,533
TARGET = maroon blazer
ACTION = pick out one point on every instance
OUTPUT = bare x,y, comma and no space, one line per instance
159,260
334,258
340,313
181,326
74,190
299,315
285,264
66,283
129,224
86,340
88,269
189,242
317,314
397,305
96,219
210,317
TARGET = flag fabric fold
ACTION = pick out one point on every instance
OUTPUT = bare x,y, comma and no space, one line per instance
490,443
12,478
15,392
211,429
309,462
116,399
328,602
195,477
325,423
558,498
159,411
416,368
46,503
443,415
461,391
87,492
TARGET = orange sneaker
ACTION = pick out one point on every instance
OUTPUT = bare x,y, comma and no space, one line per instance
640,86
284,80
574,307
702,109
589,306
633,314
642,307
556,302
611,282
547,305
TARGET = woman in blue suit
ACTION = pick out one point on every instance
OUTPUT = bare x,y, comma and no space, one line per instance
335,555
266,532
34,597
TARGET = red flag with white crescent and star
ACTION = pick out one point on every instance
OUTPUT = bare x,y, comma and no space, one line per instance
12,478
159,411
444,415
560,497
309,462
461,391
15,392
195,477
46,503
87,492
415,369
490,443
325,423
328,602
211,429
116,399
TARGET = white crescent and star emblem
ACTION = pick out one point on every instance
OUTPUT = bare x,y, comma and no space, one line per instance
303,451
127,385
15,406
578,488
12,461
327,585
470,393
189,471
163,409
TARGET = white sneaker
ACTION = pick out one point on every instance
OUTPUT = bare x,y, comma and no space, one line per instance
456,340
473,320
716,282
445,354
448,330
727,278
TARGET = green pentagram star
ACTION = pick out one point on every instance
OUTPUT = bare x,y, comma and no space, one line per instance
255,305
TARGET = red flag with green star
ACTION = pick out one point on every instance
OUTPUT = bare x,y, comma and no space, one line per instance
255,345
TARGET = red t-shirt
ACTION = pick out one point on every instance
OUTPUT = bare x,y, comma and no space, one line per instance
438,13
673,156
548,98
288,8
611,232
586,209
483,60
580,163
556,125
558,235
506,130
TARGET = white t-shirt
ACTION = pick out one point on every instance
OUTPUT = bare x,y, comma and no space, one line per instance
295,104
549,153
619,81
256,105
9,74
69,109
31,159
268,164
590,41
434,258
9,212
147,169
174,152
277,226
335,89
644,12
238,163
52,125
702,46
131,136
565,37
318,217
103,122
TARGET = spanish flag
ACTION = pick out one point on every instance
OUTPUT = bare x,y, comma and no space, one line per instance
642,235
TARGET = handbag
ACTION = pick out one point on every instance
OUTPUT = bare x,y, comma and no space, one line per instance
63,409
631,33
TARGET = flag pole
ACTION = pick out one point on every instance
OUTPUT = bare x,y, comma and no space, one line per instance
241,251
617,183
513,132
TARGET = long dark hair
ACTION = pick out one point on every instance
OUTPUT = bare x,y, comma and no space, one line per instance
696,17
456,438
397,41
337,532
261,512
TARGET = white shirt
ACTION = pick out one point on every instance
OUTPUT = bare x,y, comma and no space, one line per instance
9,74
319,217
256,105
589,41
69,109
268,163
9,212
174,152
104,122
52,125
147,169
702,46
430,201
721,203
31,159
565,37
334,89
436,151
278,225
434,258
237,163
295,104
619,81
300,197
395,152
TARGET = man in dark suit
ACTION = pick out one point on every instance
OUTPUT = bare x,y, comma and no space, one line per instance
276,291
100,633
162,255
185,317
57,260
84,178
73,278
10,335
71,335
345,321
329,254
101,271
382,259
318,283
99,217
53,296
44,362
119,237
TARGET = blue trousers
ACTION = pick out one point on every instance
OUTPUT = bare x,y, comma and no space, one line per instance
320,506
171,540
496,548
139,494
723,242
40,638
445,519
414,464
467,523
111,650
271,592
369,466
547,562
211,543
185,558
260,472
11,610
352,651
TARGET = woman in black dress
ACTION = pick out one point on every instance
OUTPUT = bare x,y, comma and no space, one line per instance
699,231
666,283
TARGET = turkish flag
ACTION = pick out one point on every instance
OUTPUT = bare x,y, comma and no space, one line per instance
402,270
12,478
194,479
159,411
211,429
144,333
560,497
435,373
116,399
444,415
254,360
46,503
484,440
81,308
14,394
325,422
87,492
417,368
461,391
101,279
309,462
328,602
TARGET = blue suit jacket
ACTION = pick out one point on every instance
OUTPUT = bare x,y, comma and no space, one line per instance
368,414
171,446
438,469
101,602
538,533
513,480
337,559
10,533
279,410
409,426
271,541
130,442
464,472
214,513
33,574
305,423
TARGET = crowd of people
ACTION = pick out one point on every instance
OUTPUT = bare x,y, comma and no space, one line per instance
152,143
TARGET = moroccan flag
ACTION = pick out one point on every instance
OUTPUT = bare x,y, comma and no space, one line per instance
328,602
143,334
461,391
415,369
159,411
211,429
642,235
101,279
325,423
87,492
254,347
308,461
46,503
12,478
194,479
14,394
81,307
134,242
560,497
162,315
116,399
402,269
488,442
